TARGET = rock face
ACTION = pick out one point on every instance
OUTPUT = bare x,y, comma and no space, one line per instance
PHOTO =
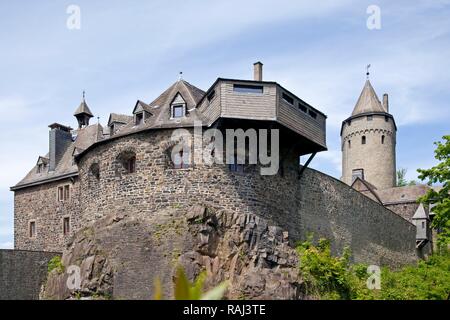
121,257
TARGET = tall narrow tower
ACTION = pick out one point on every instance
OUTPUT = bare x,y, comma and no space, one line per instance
368,139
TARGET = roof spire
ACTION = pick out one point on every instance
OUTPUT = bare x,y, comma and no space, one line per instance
180,76
84,95
367,71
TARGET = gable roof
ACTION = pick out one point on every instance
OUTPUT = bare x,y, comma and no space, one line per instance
141,105
369,189
120,118
368,101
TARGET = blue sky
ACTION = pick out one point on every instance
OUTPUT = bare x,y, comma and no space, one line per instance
133,50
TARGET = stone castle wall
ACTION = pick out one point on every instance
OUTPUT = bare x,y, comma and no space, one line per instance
376,158
22,273
316,203
40,204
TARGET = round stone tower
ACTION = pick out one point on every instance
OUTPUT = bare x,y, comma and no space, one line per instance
368,139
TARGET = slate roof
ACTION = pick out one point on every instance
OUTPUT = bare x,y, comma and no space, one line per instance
402,194
83,109
66,166
368,101
160,110
121,118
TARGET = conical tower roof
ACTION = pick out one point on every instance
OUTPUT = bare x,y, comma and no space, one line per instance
368,101
83,109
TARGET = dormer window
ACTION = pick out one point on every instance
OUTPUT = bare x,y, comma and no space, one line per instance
41,165
139,118
178,107
40,168
178,111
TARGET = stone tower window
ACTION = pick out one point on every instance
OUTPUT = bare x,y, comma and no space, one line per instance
382,139
363,140
369,118
349,144
66,226
32,229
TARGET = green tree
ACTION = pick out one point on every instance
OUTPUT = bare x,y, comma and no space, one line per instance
439,174
401,178
401,181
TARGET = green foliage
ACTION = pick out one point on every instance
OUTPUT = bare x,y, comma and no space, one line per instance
441,198
401,179
329,277
185,290
428,280
326,276
55,264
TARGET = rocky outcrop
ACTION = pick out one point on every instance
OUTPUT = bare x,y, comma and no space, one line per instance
121,256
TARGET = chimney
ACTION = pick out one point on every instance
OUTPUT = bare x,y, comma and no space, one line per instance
386,102
258,71
60,138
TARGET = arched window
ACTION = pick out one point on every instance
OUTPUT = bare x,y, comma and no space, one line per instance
128,161
349,144
363,140
181,159
382,139
94,170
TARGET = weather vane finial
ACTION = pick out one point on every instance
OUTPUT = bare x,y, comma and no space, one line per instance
84,95
180,76
367,71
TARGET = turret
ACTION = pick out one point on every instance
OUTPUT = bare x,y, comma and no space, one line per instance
368,139
83,114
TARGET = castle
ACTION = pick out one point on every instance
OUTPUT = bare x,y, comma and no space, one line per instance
93,171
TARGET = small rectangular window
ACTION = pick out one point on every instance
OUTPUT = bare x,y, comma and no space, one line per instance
66,193
60,194
32,229
66,226
287,98
369,118
243,88
303,108
131,165
177,111
312,114
211,95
